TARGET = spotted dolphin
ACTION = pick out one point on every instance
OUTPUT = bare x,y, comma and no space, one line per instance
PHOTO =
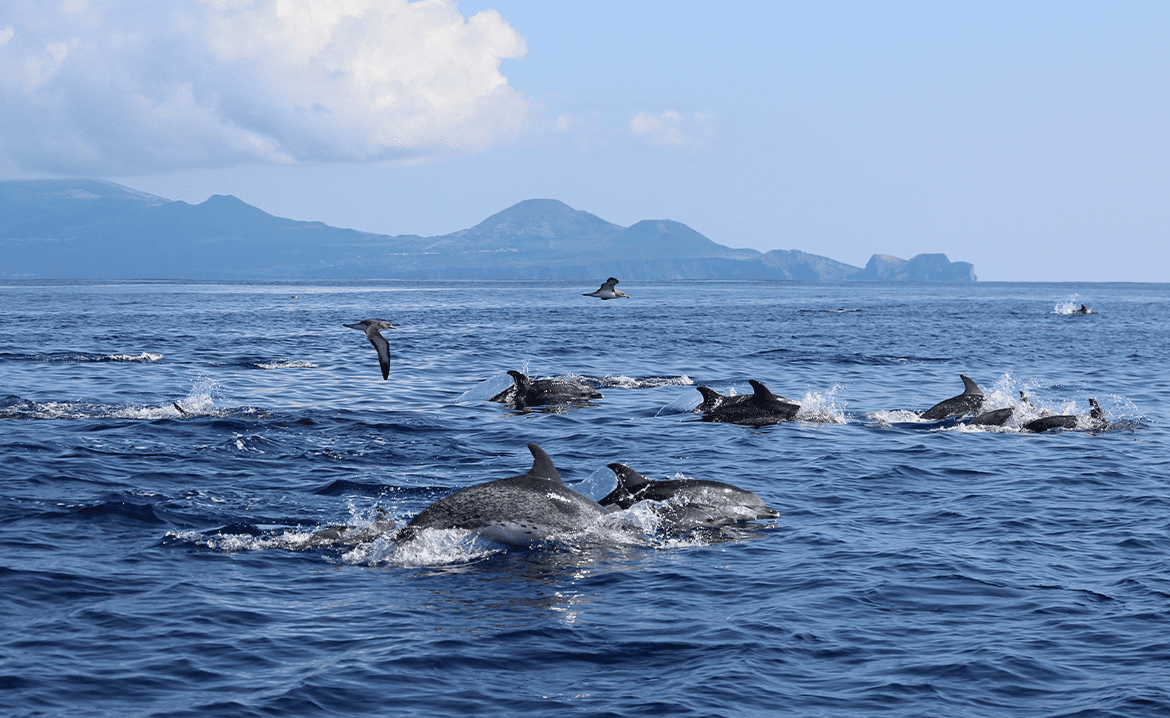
526,391
690,502
1095,420
968,402
713,399
762,407
518,511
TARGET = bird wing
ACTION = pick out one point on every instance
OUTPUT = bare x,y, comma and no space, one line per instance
383,348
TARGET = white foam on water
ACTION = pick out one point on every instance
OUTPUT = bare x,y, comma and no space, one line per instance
1070,305
826,408
200,399
144,357
627,382
886,417
287,364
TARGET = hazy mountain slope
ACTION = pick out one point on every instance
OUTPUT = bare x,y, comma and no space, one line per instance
96,229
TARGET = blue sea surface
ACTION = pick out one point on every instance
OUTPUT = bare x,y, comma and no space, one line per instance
169,451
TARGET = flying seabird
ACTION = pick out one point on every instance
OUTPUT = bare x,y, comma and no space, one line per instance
372,329
607,291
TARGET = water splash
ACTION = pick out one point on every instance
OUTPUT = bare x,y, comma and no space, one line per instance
287,364
1071,305
142,358
199,400
825,408
642,382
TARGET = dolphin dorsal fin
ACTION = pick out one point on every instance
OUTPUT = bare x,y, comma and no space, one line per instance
969,386
522,381
708,393
1096,411
542,466
628,479
711,398
761,391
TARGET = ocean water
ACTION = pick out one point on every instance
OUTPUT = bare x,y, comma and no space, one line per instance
169,450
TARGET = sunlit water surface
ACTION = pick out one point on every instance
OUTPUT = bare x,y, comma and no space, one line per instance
159,560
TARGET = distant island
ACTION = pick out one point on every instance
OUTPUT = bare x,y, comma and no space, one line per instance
94,229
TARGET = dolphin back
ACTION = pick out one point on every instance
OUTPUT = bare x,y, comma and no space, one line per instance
966,403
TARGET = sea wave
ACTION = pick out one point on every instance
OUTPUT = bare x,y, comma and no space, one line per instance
141,358
627,382
286,364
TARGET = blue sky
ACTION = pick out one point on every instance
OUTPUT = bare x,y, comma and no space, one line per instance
1031,139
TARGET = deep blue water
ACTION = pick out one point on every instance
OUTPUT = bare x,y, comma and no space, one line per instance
158,563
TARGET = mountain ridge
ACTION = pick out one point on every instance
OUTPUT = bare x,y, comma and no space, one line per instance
91,228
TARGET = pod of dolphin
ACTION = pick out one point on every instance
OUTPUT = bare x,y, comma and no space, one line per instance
536,506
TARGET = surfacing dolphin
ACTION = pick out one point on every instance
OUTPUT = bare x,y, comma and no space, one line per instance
713,399
372,328
995,417
762,407
518,511
692,502
607,291
526,391
966,403
1095,419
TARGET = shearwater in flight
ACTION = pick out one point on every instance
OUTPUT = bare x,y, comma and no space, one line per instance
372,328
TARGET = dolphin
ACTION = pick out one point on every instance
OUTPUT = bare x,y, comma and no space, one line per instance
995,417
526,392
607,291
966,403
1095,420
372,328
713,399
762,407
694,502
518,511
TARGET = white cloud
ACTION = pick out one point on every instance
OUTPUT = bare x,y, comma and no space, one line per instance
127,87
672,128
